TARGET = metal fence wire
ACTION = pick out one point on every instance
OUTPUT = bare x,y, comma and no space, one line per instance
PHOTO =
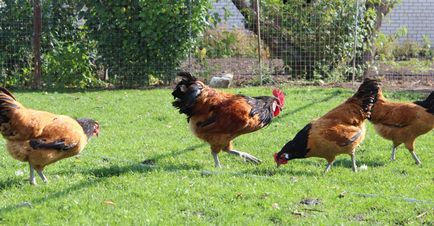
137,43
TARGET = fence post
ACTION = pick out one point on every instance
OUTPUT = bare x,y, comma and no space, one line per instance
258,24
189,35
355,41
37,27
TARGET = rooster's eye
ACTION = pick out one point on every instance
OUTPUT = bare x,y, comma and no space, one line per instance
183,88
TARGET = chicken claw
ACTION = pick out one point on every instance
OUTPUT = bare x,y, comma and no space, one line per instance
246,156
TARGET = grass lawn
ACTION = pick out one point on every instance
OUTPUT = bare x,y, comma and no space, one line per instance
107,184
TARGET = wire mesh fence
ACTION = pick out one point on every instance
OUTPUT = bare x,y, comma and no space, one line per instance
141,43
405,51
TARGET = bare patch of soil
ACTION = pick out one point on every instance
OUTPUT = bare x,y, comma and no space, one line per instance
245,71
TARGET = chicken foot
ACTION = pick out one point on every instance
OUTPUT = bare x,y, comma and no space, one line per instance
246,156
32,178
216,160
42,176
353,160
329,165
418,162
392,156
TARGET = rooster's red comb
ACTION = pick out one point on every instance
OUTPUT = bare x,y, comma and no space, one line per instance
279,95
280,160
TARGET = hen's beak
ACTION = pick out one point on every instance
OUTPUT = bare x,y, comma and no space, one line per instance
276,159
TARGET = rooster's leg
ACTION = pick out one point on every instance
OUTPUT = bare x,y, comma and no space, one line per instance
329,165
392,157
353,160
216,159
410,147
418,162
42,176
245,156
32,179
394,147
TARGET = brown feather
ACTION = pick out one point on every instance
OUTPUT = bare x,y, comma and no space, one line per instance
218,117
339,131
400,122
20,125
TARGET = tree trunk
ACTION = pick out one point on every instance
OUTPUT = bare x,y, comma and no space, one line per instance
381,10
280,47
37,27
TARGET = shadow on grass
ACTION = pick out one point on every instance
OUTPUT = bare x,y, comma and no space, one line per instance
11,182
282,170
176,153
116,170
346,163
325,99
342,162
101,174
37,201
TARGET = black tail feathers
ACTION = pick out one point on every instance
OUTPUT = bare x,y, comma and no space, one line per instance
7,102
428,103
368,92
5,91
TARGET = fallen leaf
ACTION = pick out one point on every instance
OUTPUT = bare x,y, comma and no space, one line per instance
109,202
275,206
295,212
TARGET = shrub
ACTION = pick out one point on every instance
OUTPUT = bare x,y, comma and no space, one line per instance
64,45
406,50
144,37
220,42
390,48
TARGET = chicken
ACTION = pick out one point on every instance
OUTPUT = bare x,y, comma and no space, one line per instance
41,138
403,122
218,117
339,131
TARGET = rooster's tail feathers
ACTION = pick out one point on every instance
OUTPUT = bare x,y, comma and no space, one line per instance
4,91
7,103
428,103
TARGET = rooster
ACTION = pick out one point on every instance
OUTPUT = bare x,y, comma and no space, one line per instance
41,138
403,122
339,131
218,117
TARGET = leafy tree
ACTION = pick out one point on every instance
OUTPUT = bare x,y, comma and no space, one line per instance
316,38
139,39
68,53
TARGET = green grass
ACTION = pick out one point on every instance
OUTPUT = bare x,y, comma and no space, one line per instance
108,184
